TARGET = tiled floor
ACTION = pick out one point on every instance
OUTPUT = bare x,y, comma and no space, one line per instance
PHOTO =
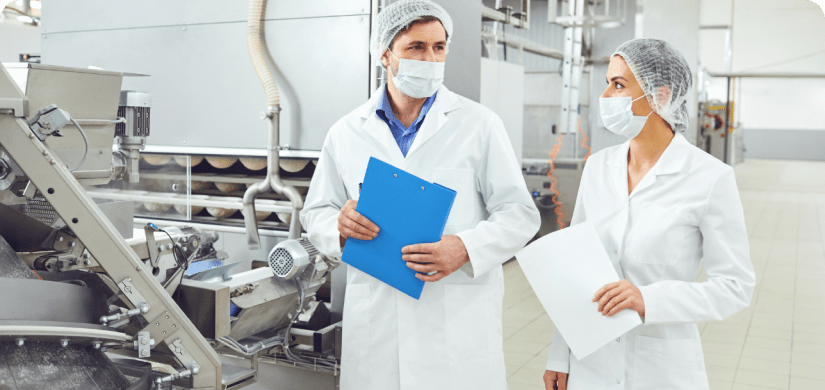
779,341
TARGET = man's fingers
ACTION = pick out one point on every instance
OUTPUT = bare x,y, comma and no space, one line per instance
356,227
614,301
562,381
363,221
418,258
606,297
603,290
347,232
418,248
422,268
430,278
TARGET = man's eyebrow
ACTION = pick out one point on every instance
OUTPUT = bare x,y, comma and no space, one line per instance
442,42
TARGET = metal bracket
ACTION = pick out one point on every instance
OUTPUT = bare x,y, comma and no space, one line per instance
144,344
149,232
162,326
132,293
180,352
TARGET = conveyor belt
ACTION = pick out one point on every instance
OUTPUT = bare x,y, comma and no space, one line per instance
11,265
47,365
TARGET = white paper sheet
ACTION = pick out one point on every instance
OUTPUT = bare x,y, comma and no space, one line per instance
565,269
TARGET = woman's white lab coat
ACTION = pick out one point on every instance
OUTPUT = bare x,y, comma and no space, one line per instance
686,209
451,338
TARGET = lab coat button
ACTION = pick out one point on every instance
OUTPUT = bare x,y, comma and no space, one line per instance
618,339
615,251
618,381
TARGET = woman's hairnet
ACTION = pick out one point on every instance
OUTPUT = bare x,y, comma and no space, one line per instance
655,64
396,16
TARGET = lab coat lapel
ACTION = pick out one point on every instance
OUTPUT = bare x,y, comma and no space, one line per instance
671,161
378,129
436,118
618,163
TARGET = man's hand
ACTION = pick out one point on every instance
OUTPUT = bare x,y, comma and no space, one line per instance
352,224
443,257
555,380
617,296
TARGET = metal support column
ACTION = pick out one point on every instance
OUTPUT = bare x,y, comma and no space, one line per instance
572,71
726,133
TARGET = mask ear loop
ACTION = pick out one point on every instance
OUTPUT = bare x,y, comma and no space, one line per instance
634,100
389,68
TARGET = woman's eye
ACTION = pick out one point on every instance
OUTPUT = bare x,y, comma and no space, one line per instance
619,86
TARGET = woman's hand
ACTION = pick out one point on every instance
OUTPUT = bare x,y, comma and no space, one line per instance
617,296
555,380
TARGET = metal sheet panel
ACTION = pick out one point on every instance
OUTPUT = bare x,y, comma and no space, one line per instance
84,15
205,91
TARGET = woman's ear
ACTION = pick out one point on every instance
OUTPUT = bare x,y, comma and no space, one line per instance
662,95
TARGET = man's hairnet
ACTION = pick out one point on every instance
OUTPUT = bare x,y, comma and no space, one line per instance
655,64
394,17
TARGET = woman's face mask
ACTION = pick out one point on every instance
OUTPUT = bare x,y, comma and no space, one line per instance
617,115
417,79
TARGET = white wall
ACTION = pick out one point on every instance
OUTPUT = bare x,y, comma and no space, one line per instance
769,36
16,39
502,90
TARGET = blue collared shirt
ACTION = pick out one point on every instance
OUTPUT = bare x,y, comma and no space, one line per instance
404,137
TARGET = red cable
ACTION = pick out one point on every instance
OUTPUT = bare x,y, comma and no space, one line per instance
584,140
553,153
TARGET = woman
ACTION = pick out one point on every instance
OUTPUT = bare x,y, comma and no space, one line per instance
661,206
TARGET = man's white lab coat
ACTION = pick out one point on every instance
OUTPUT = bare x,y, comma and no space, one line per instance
451,338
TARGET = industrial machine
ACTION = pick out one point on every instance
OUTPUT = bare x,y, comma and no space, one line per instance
148,311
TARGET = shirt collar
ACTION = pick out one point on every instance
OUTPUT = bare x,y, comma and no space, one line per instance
384,110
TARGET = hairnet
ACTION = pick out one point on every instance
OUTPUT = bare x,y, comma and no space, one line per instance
657,64
394,17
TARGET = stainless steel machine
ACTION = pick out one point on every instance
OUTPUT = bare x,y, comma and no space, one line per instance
149,311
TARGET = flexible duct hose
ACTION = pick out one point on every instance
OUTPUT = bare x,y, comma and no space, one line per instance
272,182
254,34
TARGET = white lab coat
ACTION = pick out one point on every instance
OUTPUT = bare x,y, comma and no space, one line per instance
451,338
685,209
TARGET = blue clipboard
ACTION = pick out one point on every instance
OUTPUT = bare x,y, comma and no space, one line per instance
409,210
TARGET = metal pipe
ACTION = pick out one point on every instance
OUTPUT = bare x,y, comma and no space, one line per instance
272,182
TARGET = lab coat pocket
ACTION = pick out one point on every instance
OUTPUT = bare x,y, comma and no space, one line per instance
668,364
462,181
659,236
469,316
356,327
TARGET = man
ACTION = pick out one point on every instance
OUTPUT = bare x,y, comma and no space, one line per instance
451,337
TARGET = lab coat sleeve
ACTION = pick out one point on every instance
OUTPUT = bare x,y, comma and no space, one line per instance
326,196
731,278
513,218
558,359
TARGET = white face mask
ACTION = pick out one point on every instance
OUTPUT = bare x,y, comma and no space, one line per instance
618,117
417,79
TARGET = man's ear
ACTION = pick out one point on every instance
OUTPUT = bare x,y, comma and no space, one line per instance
385,58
